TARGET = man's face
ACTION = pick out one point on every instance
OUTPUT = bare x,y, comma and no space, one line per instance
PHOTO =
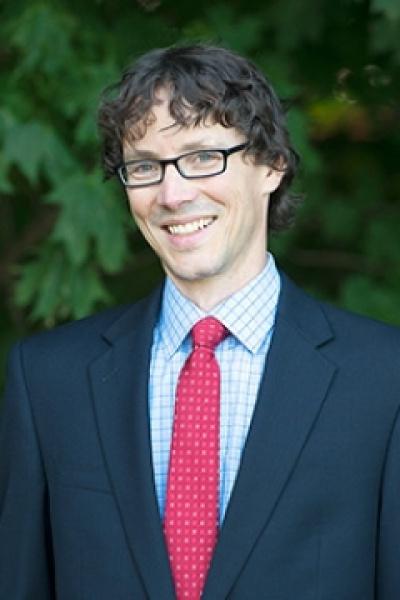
210,234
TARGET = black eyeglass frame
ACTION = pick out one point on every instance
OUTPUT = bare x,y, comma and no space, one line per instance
163,162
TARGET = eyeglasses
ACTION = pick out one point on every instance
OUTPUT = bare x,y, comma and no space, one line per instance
192,165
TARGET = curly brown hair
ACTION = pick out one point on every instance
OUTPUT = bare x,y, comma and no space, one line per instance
206,83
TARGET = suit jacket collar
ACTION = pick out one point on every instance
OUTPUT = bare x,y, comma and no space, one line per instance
294,385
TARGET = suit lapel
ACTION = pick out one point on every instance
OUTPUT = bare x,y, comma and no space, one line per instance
292,391
120,383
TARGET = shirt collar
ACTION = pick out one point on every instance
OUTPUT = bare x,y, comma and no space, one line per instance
249,313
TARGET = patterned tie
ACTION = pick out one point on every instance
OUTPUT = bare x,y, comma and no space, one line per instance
191,512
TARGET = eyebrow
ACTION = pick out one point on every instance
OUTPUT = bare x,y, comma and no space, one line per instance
201,144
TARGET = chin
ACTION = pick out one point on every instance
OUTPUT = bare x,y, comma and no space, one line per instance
191,273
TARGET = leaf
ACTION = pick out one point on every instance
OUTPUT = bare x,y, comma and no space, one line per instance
40,283
385,37
5,185
221,25
57,289
391,8
82,104
111,232
299,127
26,287
224,22
90,215
42,34
86,291
34,147
295,22
278,72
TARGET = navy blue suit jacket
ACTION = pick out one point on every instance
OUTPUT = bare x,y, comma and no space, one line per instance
315,511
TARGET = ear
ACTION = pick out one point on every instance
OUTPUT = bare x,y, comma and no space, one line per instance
273,178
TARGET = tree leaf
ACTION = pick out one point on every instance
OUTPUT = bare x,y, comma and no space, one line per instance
42,33
40,283
34,147
86,291
391,8
90,216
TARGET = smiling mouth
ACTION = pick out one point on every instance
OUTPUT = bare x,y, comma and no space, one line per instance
192,227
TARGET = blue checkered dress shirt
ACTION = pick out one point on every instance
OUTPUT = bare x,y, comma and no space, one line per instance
249,315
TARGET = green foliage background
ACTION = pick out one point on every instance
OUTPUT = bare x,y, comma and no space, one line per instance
67,244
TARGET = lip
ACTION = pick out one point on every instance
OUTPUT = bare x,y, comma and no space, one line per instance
188,241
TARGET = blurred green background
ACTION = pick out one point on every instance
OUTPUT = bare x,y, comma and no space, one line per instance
67,244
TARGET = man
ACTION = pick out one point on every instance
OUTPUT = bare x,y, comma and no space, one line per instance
229,436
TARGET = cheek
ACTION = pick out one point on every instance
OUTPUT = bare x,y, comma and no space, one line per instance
138,205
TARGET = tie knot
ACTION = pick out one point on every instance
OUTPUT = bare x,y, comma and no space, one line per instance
208,332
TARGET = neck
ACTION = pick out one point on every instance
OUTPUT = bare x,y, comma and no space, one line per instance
208,293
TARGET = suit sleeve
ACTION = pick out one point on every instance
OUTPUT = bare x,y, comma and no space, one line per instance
25,547
388,568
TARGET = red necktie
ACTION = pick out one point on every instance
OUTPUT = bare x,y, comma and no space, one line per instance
191,512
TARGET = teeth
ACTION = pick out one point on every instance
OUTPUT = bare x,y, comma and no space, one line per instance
189,227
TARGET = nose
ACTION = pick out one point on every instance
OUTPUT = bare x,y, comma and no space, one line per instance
174,189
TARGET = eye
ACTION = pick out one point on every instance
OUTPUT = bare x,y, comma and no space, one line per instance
202,161
204,156
142,169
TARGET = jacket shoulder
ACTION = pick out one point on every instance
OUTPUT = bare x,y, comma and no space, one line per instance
336,328
359,325
90,335
84,329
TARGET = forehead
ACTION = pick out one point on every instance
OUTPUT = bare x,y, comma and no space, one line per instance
159,131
